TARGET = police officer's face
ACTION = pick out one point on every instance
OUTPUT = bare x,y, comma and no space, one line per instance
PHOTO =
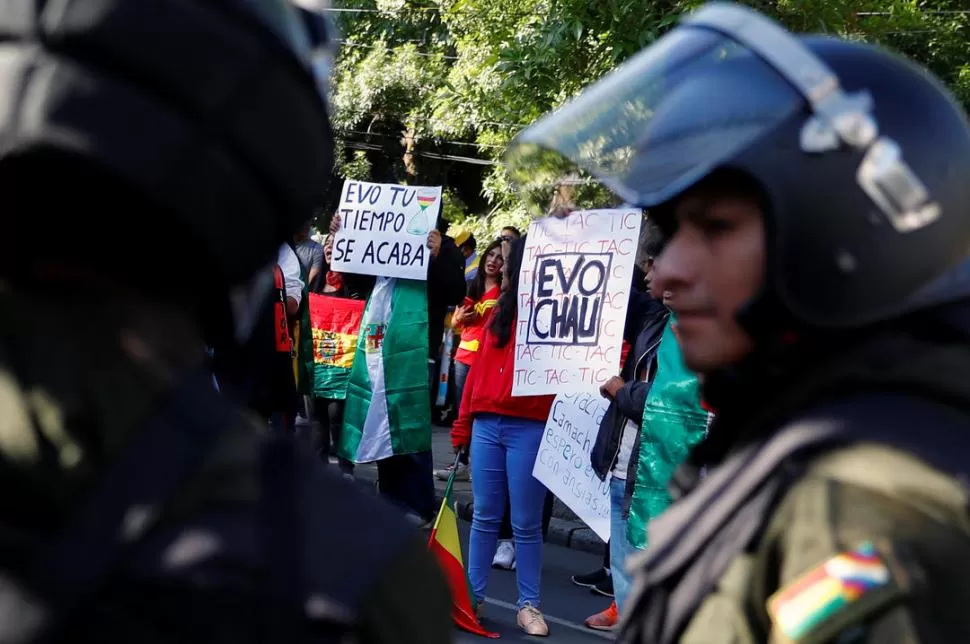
712,265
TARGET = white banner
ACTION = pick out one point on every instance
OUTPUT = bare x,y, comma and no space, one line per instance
574,287
563,466
384,229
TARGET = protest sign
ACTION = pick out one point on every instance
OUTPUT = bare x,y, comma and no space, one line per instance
574,287
384,229
563,466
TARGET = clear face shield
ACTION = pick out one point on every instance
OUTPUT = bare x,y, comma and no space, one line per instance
693,100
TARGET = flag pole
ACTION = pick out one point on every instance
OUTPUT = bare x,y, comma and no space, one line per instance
451,477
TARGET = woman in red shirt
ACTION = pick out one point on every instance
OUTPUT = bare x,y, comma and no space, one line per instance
472,316
505,434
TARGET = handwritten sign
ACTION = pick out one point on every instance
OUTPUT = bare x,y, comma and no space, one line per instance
574,288
384,229
563,465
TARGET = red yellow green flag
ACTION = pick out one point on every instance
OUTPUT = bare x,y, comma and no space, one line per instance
446,546
335,324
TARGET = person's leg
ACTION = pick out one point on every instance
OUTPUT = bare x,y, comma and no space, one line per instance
432,387
505,531
522,439
490,492
397,481
409,482
421,484
505,553
461,375
547,513
620,548
390,475
322,443
335,418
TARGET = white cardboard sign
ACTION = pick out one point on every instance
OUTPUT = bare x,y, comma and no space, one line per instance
574,288
563,464
384,229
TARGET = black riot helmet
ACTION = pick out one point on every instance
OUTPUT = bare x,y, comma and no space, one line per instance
200,122
862,158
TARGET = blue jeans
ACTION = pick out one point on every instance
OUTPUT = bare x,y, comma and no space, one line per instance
620,547
461,374
505,450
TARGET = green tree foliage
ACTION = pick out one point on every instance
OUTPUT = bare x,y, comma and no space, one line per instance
432,91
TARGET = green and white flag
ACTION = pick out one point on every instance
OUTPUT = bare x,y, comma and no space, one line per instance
388,403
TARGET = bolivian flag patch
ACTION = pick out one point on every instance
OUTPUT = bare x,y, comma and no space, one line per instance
838,594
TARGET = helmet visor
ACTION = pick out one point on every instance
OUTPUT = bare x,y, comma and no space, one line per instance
658,124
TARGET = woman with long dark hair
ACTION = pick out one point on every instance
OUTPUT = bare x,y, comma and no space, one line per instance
504,434
476,311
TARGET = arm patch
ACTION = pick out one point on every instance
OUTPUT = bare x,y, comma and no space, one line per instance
842,592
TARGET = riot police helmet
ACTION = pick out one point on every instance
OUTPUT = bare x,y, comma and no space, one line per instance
200,122
861,158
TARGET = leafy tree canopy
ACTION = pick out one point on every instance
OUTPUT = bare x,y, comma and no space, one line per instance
430,92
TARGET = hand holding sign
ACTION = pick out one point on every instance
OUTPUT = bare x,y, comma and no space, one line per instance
434,243
611,387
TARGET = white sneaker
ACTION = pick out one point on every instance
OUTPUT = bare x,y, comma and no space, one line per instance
504,556
462,474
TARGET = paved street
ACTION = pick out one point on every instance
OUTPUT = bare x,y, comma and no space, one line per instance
564,605
564,530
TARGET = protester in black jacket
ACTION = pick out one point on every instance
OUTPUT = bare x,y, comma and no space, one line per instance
629,398
446,287
645,321
614,451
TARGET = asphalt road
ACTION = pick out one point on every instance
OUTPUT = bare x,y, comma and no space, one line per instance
564,605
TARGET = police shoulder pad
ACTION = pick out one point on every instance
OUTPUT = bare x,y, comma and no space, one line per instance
841,593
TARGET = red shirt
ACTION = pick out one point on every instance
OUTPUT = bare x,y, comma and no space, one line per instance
488,390
472,334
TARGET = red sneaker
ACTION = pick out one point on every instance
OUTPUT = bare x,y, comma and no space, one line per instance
604,621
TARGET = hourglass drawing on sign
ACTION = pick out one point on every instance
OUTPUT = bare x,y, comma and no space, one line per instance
419,224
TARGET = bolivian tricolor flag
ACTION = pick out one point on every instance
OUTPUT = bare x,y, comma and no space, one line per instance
335,322
446,546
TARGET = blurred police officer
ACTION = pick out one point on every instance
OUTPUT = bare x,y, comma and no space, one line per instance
815,195
172,146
